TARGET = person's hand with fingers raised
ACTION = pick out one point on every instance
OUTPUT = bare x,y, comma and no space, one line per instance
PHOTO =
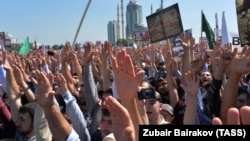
61,85
6,64
191,88
235,117
123,131
185,40
126,80
87,55
105,70
45,94
59,126
239,65
127,83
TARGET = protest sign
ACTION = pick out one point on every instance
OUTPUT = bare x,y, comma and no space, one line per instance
164,24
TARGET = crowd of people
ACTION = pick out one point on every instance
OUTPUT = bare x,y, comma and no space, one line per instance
103,93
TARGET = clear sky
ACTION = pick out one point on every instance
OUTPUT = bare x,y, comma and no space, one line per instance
56,21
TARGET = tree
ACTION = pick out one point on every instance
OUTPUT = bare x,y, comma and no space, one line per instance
123,42
56,47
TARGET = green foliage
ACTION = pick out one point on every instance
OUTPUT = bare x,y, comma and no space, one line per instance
123,42
56,47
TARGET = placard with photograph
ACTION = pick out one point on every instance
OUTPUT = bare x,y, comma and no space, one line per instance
176,40
243,19
165,23
141,36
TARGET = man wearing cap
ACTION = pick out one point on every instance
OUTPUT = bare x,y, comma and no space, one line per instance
167,112
153,107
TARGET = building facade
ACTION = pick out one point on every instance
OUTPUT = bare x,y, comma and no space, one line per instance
112,31
134,17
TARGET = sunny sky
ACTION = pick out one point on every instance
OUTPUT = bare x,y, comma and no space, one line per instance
56,21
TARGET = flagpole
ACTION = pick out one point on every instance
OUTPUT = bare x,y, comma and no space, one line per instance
215,29
201,24
201,35
79,27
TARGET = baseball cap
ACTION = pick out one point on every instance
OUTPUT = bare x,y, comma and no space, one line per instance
168,108
157,96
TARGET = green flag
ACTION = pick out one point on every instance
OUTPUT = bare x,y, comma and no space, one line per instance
205,27
25,49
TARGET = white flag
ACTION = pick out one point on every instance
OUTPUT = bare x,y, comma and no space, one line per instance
225,37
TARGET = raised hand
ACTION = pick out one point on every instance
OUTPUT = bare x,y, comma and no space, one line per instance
241,63
106,51
126,80
61,87
235,117
45,94
226,55
87,55
123,131
192,84
191,88
18,75
185,40
6,63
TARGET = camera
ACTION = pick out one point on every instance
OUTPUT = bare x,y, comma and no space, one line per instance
51,53
146,93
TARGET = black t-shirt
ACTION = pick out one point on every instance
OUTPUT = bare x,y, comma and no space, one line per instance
96,136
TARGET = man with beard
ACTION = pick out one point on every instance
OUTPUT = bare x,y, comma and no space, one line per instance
179,107
162,88
205,80
22,114
24,124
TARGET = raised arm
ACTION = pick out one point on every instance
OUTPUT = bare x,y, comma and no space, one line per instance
72,109
65,59
59,126
90,89
105,67
13,89
123,131
213,93
127,83
23,85
238,67
191,89
76,65
172,68
186,42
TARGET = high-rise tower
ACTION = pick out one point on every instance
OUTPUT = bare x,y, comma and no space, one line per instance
151,9
112,31
161,4
122,16
118,23
133,17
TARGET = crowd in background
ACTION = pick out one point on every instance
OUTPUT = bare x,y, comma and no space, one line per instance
103,93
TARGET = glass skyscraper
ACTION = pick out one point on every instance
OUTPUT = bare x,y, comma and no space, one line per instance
133,17
112,31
